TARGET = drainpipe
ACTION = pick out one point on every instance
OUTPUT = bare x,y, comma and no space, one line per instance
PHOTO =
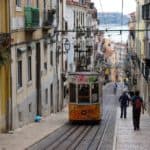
62,61
56,58
10,103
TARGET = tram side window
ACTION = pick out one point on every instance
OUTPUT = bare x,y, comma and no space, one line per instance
95,94
72,95
83,93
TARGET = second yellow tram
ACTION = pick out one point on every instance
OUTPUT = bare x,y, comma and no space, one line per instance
85,96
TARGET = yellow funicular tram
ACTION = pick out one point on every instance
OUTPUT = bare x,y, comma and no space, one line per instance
85,96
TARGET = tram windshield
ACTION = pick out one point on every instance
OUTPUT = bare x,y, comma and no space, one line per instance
95,94
83,93
84,89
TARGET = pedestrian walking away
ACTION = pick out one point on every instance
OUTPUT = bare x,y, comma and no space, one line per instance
115,88
137,104
124,103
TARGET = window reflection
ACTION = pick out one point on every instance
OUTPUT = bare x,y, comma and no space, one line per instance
84,93
95,94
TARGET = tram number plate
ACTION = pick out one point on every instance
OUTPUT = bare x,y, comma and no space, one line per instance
85,112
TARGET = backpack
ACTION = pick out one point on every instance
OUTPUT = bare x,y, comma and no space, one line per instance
138,103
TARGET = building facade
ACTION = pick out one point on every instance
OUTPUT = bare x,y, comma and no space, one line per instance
82,20
145,53
38,31
33,54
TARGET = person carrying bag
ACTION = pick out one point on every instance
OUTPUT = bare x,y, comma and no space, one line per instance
137,104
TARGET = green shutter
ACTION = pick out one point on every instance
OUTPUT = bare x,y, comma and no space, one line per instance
28,17
35,16
31,17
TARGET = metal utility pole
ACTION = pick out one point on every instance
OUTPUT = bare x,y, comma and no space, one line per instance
62,59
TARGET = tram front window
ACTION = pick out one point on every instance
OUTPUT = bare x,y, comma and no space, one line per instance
83,93
95,94
72,95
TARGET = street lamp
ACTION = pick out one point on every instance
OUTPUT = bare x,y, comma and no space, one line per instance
67,45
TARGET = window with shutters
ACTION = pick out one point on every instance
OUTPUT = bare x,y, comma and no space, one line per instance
29,68
28,2
18,3
19,74
46,96
37,3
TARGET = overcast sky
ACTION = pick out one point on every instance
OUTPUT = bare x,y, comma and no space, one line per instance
115,5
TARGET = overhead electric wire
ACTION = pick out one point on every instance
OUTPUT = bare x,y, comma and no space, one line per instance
105,30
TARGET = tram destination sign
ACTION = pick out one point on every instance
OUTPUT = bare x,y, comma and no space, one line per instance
83,78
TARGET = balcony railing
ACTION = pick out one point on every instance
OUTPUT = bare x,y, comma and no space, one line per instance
147,62
91,5
145,71
4,48
94,14
76,3
146,11
4,40
31,18
48,18
80,32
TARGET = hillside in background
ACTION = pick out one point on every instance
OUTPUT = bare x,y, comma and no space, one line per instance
112,18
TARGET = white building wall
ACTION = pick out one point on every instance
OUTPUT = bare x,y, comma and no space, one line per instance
69,17
46,79
25,95
24,99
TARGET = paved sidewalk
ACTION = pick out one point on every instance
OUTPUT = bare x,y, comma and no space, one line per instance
26,136
128,139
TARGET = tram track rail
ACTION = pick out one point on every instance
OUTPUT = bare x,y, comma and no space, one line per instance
83,136
77,139
86,139
97,141
44,142
106,131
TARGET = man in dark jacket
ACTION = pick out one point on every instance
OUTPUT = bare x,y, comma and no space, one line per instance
124,102
137,103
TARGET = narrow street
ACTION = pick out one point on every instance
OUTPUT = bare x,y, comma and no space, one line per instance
85,136
56,133
60,61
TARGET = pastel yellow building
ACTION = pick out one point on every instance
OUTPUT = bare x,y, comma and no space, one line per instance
4,66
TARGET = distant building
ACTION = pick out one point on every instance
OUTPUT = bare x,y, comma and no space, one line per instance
118,59
81,16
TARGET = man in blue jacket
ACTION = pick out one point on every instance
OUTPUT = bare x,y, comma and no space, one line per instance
124,102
